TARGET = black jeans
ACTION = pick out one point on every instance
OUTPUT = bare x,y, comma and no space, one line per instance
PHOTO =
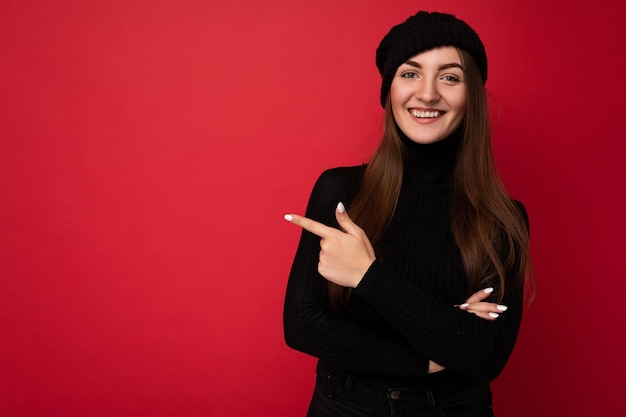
338,394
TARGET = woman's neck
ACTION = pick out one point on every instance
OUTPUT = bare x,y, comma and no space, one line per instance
433,162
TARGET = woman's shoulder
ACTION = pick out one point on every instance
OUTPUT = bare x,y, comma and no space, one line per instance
341,176
335,185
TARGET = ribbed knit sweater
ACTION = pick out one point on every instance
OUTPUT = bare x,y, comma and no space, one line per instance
402,314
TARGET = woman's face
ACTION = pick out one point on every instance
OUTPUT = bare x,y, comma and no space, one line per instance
428,95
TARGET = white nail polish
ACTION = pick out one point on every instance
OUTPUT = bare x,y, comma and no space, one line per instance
288,217
488,290
494,315
502,308
464,305
341,208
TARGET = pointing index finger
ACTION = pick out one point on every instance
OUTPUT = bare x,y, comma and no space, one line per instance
312,226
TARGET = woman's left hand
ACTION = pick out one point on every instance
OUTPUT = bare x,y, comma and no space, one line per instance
475,304
345,256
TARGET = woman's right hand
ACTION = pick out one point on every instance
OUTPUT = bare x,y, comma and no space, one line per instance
434,367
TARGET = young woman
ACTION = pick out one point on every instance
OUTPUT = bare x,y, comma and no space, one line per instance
413,301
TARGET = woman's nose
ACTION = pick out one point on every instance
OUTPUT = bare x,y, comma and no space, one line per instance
427,91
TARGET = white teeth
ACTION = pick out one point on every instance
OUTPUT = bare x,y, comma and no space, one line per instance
425,114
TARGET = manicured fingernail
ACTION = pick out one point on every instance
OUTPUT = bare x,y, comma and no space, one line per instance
494,315
502,308
341,208
288,217
488,290
464,305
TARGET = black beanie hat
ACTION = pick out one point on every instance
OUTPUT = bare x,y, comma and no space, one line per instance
420,33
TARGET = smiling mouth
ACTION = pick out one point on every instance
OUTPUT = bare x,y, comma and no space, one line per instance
426,114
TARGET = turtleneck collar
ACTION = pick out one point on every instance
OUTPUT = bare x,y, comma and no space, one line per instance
433,162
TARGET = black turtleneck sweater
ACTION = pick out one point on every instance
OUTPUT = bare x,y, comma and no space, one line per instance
402,314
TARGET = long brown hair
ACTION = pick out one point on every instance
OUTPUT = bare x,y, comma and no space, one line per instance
487,225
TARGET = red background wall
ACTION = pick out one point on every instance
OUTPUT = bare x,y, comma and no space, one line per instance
148,150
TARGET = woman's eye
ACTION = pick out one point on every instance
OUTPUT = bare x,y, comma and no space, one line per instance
409,75
451,78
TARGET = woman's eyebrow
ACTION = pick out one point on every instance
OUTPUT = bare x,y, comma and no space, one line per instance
413,64
441,67
451,65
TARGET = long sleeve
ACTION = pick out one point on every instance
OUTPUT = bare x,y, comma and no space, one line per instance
417,283
356,342
459,341
403,312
